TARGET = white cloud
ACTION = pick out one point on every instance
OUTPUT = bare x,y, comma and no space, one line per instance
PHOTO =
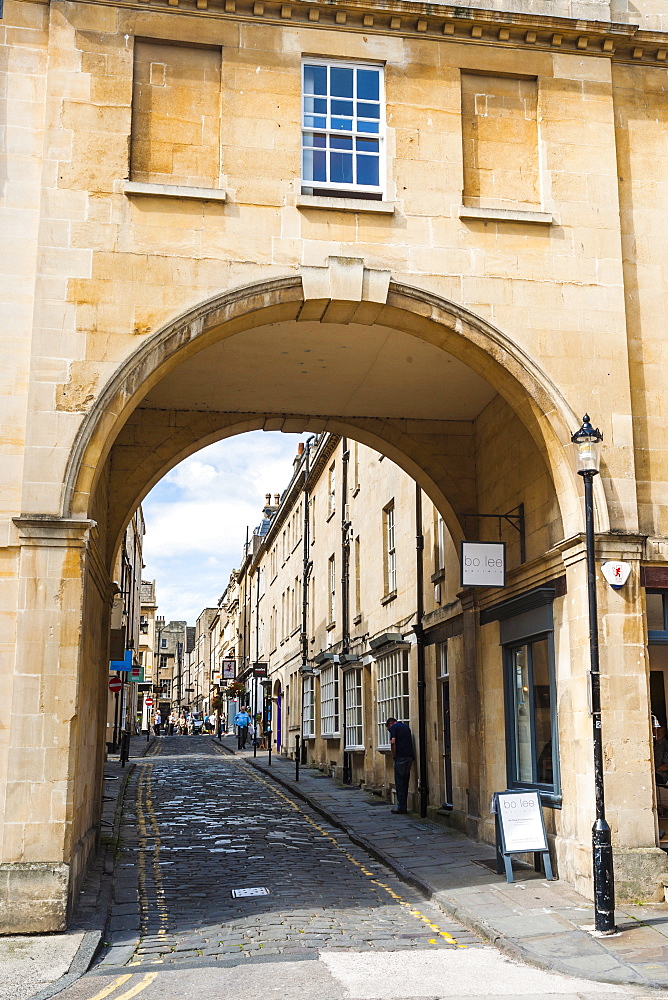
196,517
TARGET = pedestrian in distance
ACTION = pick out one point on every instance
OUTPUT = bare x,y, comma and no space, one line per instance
403,754
242,721
157,722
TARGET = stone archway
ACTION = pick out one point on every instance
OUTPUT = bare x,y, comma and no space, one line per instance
124,445
343,293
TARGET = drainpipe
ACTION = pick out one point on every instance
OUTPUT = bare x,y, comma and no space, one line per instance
244,654
306,575
423,784
257,658
345,601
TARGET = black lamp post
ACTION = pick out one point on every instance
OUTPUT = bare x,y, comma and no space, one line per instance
588,444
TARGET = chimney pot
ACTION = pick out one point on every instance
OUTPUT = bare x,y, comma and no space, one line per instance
300,448
277,498
267,499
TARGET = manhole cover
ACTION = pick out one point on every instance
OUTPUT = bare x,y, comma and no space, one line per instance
257,891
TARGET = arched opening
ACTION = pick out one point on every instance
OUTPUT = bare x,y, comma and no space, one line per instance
443,394
396,374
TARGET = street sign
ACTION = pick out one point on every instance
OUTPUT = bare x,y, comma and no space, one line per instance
115,684
229,669
260,669
483,564
124,664
148,702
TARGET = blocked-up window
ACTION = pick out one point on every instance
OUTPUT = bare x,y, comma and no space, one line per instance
176,115
352,680
329,701
500,141
393,698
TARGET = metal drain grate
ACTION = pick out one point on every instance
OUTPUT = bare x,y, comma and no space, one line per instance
258,891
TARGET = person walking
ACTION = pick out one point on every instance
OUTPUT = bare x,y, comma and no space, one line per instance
242,721
157,722
403,754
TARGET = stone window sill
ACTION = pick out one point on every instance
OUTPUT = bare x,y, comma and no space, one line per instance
328,628
173,191
344,204
506,215
389,597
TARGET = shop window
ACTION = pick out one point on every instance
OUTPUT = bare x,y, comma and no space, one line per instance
530,712
308,707
657,614
329,701
175,135
393,698
354,734
342,130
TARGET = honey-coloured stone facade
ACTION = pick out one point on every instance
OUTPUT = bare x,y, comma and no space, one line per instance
166,283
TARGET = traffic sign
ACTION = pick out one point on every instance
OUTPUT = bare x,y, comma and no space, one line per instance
148,702
115,684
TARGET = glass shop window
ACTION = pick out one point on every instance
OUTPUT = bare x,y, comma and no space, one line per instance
531,715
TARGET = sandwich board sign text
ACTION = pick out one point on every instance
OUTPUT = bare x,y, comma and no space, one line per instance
483,564
520,829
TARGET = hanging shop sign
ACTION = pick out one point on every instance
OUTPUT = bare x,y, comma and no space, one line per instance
483,564
124,664
229,668
260,669
137,674
616,573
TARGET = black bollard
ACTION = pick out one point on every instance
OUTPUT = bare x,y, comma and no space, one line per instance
297,756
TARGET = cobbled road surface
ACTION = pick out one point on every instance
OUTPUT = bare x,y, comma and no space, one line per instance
334,924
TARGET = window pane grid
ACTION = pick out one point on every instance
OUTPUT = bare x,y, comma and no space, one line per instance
393,700
329,701
308,708
354,735
341,126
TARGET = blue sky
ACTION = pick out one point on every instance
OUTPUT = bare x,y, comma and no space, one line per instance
196,517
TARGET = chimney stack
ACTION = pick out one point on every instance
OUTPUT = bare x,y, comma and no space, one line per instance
277,498
268,500
300,449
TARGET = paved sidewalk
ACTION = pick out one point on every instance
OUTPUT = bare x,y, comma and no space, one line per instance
534,920
47,963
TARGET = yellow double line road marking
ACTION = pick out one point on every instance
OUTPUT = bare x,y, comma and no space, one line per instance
414,912
145,810
120,981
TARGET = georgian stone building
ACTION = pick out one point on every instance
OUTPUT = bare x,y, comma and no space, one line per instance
436,230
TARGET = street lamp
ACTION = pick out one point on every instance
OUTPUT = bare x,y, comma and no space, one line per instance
588,444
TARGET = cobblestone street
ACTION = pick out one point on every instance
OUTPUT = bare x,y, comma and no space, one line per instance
334,924
198,824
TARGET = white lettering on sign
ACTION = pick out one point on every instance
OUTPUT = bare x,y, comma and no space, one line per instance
521,819
483,564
